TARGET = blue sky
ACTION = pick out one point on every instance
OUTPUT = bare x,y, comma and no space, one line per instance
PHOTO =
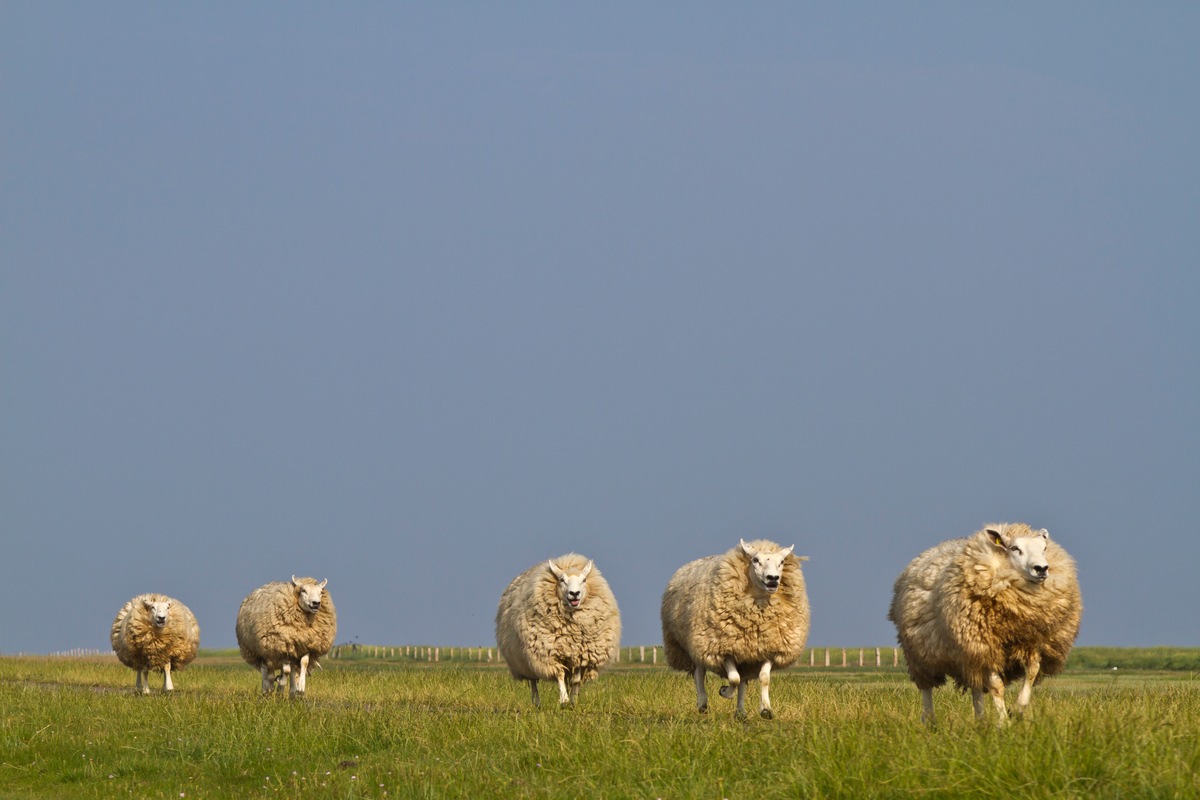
412,296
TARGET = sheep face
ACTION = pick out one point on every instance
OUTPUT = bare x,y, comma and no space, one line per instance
572,586
1026,554
159,611
308,595
766,567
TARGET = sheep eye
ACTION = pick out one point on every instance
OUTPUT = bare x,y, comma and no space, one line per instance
1016,549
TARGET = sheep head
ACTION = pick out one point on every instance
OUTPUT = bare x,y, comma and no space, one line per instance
572,586
1026,554
766,566
159,611
308,595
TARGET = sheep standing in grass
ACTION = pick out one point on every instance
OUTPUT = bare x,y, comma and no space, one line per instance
744,612
987,610
153,631
558,621
286,626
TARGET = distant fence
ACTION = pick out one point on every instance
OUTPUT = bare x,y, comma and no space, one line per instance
1086,657
642,654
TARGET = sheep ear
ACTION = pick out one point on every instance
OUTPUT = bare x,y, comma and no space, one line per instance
558,573
294,581
995,538
587,570
321,585
745,549
788,551
147,603
1045,534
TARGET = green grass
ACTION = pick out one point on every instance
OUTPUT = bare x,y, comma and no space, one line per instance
72,728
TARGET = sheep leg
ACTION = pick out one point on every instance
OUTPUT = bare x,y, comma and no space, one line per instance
735,680
927,706
977,702
576,682
563,697
533,686
142,683
701,694
291,679
996,690
167,685
302,676
764,679
268,679
1032,668
740,711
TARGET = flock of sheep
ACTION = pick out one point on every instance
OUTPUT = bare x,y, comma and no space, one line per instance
985,610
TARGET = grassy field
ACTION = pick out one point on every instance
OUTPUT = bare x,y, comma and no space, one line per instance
72,728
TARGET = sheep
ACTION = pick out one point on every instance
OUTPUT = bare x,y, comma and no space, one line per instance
987,610
153,631
286,626
558,620
745,611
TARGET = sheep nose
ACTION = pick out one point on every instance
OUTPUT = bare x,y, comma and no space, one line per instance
1040,570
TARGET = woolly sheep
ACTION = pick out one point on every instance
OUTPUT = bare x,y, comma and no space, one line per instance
745,611
153,631
286,626
558,621
987,610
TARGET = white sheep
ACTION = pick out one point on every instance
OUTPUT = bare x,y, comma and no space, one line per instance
745,611
558,621
987,610
153,631
286,626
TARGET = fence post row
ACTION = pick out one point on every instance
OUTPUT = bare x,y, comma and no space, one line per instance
487,655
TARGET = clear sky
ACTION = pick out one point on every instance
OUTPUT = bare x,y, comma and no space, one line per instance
411,296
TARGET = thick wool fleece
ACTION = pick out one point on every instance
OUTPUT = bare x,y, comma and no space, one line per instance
272,630
141,646
711,611
963,612
541,638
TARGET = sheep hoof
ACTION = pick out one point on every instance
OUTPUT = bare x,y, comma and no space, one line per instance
702,709
766,714
739,715
726,692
